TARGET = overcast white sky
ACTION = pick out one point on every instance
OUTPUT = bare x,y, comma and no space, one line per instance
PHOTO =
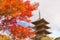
50,10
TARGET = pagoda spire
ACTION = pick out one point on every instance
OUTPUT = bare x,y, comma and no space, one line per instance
39,15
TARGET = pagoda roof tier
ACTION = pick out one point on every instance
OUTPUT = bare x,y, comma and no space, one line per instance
40,21
43,32
41,26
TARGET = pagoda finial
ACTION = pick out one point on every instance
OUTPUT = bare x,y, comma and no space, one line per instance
39,15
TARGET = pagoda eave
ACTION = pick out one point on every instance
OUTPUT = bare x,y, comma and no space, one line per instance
40,21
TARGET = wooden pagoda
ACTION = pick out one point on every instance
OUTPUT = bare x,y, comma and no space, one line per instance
41,28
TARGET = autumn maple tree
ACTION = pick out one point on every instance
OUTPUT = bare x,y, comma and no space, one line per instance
13,10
